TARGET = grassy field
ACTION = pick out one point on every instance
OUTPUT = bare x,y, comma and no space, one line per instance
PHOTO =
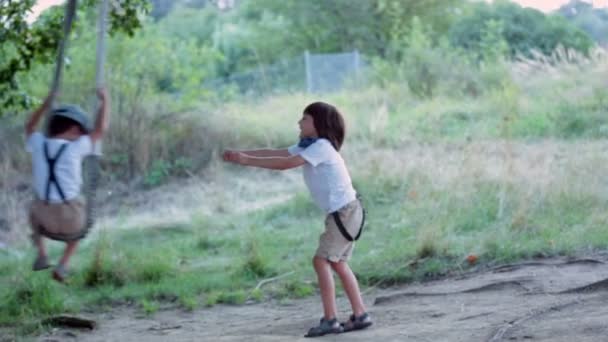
516,173
429,207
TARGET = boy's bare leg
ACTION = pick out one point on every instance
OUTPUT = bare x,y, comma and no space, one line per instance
326,286
60,272
41,261
350,285
39,243
69,250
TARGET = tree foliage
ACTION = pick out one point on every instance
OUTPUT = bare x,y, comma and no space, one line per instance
342,25
524,29
184,43
592,20
24,44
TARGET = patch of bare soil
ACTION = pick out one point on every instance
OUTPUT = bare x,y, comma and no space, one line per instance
560,299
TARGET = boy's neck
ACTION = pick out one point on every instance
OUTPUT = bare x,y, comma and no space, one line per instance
66,136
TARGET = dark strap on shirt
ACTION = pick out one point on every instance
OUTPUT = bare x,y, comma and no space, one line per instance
52,178
343,230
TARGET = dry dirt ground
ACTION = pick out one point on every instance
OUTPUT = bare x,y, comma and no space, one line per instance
559,299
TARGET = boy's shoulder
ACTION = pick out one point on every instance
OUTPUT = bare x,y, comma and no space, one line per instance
322,148
322,142
324,145
38,138
35,138
36,135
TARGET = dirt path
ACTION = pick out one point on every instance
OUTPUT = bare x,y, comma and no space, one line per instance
547,300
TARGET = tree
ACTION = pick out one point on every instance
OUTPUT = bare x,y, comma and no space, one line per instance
524,29
318,25
397,17
592,20
24,45
162,8
342,25
574,7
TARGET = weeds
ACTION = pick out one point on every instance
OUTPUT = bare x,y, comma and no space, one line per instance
420,225
442,176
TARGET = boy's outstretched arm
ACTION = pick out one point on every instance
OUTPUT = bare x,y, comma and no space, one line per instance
101,121
267,152
273,163
34,118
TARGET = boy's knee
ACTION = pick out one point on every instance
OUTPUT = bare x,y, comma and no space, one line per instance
35,237
72,244
338,266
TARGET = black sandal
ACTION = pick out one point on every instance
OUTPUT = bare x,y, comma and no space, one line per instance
41,263
357,322
60,273
326,326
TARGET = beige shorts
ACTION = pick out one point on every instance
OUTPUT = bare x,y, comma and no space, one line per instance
333,246
57,219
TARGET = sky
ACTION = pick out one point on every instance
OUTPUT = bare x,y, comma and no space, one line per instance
543,5
550,5
41,5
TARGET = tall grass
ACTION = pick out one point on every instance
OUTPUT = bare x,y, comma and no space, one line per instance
513,173
428,208
561,96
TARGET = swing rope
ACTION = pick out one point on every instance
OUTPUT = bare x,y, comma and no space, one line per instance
92,166
91,163
70,13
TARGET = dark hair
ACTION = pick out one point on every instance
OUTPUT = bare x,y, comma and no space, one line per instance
60,124
328,122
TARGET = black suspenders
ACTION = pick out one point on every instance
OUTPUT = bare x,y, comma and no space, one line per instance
52,178
343,230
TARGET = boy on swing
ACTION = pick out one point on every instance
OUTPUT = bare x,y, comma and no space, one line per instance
58,211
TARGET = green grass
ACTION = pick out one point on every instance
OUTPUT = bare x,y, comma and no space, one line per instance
420,226
558,99
416,230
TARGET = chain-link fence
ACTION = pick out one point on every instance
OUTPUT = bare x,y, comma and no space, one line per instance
331,72
313,73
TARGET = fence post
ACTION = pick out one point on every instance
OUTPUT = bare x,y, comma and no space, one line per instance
357,65
308,72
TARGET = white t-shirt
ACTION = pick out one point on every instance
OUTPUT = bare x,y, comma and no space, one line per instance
68,168
325,175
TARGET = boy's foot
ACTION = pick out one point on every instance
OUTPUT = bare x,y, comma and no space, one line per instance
357,322
41,263
60,273
326,326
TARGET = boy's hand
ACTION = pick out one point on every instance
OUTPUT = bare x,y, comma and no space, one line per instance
102,94
32,121
103,113
49,99
229,155
233,156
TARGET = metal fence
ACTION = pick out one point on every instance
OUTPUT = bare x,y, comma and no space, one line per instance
331,72
312,73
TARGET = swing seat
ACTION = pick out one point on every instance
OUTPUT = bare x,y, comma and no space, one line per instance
59,221
61,236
